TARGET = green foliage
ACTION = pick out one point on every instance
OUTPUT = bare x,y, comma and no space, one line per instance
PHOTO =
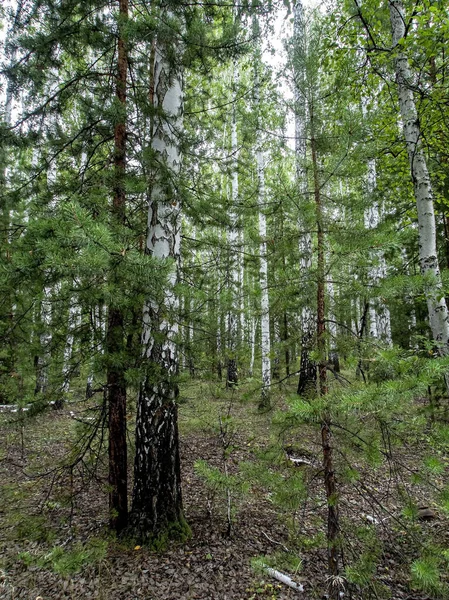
283,561
68,561
427,573
219,481
284,487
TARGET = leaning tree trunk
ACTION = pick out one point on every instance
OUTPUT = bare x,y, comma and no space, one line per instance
115,338
157,500
428,258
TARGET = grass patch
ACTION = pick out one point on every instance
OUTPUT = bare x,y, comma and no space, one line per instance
66,562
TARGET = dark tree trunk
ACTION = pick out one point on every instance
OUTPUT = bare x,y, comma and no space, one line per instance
115,337
307,368
321,320
157,500
334,360
116,397
333,547
286,348
332,505
232,375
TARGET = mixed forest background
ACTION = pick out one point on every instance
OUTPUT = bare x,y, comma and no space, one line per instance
234,216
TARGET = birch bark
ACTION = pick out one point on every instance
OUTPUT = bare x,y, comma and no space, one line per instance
428,258
42,360
379,313
157,499
74,321
263,267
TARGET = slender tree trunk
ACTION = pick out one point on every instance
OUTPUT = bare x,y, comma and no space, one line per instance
233,275
253,345
157,499
332,505
115,336
321,286
73,322
307,369
446,238
285,341
42,359
263,269
326,433
428,258
379,313
263,279
334,359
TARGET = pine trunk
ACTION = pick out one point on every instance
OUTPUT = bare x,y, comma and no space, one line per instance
307,369
333,548
115,338
321,286
233,274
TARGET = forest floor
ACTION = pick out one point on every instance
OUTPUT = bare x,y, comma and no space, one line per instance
55,545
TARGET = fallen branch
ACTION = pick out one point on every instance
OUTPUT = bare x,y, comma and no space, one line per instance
275,542
283,578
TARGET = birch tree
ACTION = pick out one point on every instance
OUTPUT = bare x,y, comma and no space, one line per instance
263,270
157,499
428,256
307,370
379,313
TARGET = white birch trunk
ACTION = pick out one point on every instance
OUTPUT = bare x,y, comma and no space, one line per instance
307,376
164,233
253,345
241,283
428,258
379,313
73,322
157,497
263,268
45,338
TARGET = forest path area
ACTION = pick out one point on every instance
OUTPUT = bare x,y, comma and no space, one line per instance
57,547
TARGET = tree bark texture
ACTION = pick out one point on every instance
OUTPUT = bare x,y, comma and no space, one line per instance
157,499
263,268
428,258
115,337
332,506
307,369
379,313
42,360
233,275
321,286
